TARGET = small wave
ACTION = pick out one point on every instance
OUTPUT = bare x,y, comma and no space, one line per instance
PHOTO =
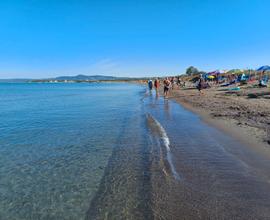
166,142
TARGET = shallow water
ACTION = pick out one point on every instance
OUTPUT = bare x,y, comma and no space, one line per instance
117,151
55,142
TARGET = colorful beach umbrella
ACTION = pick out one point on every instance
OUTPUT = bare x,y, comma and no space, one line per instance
214,73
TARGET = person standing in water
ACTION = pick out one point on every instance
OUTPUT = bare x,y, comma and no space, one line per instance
156,84
167,84
150,84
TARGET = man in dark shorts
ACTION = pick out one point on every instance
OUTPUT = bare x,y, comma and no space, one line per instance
166,87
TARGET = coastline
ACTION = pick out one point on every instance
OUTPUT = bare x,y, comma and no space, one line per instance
152,159
224,111
213,165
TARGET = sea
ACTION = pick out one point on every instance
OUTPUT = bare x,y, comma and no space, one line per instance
80,151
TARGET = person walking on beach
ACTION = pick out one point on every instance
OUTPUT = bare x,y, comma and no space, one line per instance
172,82
167,84
178,82
200,85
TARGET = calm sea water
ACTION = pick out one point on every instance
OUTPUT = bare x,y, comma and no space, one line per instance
118,151
55,142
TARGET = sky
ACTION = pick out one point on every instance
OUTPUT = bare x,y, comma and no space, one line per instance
48,38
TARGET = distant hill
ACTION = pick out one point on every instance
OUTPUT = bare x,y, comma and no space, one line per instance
85,77
77,78
14,80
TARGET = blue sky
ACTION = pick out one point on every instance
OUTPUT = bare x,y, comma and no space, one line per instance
45,38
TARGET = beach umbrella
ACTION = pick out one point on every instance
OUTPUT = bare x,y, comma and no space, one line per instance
213,73
264,68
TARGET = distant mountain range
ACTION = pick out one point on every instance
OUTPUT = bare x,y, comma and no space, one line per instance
91,78
70,78
14,80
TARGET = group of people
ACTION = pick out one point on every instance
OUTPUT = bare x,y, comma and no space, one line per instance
156,84
202,82
168,83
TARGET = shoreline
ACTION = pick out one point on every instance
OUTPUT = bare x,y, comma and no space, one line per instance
213,164
255,138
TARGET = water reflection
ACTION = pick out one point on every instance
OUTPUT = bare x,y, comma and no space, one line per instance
167,109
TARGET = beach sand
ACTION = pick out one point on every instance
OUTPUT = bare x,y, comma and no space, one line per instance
219,177
243,114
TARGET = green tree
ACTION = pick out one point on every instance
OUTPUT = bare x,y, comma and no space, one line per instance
192,71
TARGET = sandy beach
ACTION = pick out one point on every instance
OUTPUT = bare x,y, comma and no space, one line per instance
244,114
